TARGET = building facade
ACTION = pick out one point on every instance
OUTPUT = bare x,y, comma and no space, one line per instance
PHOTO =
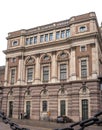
54,69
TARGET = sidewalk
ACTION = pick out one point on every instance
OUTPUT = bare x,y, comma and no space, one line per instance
43,124
46,125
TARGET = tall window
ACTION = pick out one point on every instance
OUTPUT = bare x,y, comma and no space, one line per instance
63,71
27,41
44,106
68,33
58,35
35,39
46,37
29,74
12,76
83,68
31,40
62,34
50,36
45,73
84,109
42,38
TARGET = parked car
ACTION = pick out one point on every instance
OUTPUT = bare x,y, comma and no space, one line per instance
63,119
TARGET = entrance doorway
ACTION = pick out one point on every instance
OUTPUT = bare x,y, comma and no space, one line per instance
28,109
62,107
84,109
10,109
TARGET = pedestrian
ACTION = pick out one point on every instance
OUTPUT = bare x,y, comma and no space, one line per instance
21,116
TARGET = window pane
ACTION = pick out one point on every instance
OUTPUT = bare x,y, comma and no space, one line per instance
29,74
57,35
62,34
31,40
41,38
82,48
15,43
68,33
46,37
82,29
83,68
35,39
50,36
12,76
63,72
45,73
84,109
27,41
44,106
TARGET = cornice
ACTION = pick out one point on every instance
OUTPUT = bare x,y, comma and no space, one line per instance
53,26
52,44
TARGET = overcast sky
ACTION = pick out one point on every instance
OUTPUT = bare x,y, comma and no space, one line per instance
25,14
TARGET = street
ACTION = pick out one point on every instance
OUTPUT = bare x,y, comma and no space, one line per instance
7,127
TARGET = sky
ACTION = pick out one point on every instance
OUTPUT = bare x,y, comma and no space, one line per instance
26,14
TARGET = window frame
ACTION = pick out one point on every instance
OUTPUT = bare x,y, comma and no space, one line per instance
87,71
57,35
35,39
12,76
63,34
15,43
44,105
27,41
31,40
68,33
83,28
63,72
66,63
50,36
29,80
46,37
41,38
45,73
84,48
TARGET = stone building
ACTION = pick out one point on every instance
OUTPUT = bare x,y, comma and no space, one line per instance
54,69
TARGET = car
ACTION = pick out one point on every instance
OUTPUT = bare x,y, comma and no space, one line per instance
63,119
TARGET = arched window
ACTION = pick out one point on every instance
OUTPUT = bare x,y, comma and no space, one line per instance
45,67
30,67
82,28
62,61
84,99
62,101
14,43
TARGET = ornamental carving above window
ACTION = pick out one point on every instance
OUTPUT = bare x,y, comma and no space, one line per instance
30,61
44,92
45,59
63,56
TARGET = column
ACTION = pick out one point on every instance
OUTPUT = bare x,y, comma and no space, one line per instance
72,65
37,70
6,73
54,68
94,61
20,71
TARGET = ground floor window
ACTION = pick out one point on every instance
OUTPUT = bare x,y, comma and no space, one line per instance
10,109
84,109
62,107
28,109
44,106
